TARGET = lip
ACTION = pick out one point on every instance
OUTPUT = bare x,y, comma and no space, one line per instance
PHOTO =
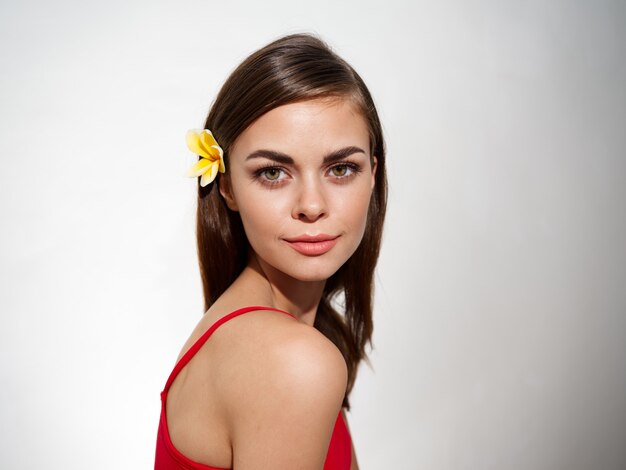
321,237
312,245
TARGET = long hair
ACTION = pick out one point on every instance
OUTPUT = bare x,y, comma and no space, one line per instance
296,67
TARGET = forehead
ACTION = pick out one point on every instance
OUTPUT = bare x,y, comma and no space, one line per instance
313,125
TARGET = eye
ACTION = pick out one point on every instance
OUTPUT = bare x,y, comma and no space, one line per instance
339,170
271,174
345,170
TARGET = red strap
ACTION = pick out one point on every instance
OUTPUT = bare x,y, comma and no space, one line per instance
198,344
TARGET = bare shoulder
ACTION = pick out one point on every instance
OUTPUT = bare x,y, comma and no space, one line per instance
281,386
278,344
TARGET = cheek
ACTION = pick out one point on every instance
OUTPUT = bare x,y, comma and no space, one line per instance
263,217
353,211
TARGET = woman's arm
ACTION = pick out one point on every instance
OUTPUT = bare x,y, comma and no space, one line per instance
283,409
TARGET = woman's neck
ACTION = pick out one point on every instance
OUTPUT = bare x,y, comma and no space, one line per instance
275,289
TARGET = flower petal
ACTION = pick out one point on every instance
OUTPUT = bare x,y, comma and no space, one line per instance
218,149
209,176
199,167
197,143
193,142
222,167
208,139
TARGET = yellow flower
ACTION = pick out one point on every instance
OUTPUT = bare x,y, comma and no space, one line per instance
202,143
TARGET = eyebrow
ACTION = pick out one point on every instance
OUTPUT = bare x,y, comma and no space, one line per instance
287,160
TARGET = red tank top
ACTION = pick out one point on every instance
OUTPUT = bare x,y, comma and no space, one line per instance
338,457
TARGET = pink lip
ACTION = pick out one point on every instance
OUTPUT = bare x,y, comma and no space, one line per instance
312,245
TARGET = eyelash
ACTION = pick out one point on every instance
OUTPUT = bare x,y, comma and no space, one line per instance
259,172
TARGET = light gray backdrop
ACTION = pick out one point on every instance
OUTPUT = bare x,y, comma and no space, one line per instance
500,319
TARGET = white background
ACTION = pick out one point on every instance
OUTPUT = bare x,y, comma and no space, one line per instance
500,322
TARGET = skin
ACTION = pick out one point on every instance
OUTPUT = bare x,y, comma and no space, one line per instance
307,196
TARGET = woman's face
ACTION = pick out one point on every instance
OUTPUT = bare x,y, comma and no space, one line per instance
302,169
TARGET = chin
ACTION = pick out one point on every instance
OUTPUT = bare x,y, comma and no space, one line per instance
309,273
311,276
308,270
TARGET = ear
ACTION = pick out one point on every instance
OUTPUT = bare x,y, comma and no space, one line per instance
226,191
374,166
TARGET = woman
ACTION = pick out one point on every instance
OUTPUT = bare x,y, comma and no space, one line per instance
291,203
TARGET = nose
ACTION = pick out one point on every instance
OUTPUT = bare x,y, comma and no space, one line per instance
310,204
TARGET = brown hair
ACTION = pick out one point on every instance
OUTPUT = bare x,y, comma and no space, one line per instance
293,68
